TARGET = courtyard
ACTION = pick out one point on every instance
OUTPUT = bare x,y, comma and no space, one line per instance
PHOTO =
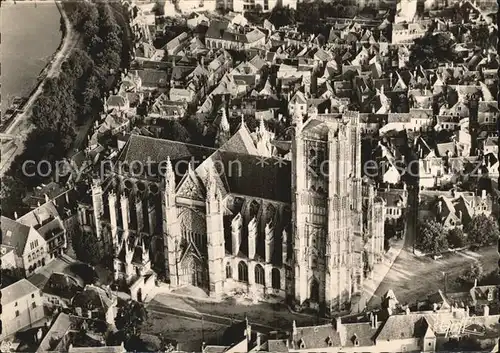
270,316
188,333
413,278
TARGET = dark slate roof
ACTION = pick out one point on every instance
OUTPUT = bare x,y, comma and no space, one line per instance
139,148
62,285
317,337
362,331
246,175
153,78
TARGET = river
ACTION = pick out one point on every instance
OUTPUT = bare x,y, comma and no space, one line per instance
30,36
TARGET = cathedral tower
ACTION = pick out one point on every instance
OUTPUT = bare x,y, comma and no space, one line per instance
326,215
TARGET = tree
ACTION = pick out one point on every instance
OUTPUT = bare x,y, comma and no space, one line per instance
86,248
475,272
11,192
431,237
456,238
483,230
431,49
128,321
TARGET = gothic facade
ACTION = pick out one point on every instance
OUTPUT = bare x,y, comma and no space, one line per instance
236,220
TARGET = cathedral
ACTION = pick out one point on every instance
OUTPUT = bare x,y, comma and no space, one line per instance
241,220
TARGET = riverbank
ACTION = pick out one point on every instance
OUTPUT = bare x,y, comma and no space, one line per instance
19,126
31,35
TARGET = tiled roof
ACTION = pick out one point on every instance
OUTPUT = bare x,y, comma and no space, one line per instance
363,332
247,175
240,142
315,337
140,148
14,234
93,297
277,345
400,327
103,349
62,285
153,78
17,290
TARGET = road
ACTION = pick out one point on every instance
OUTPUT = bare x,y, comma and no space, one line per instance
20,125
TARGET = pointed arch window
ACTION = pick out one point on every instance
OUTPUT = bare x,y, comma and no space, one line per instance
314,296
229,270
276,278
242,272
259,275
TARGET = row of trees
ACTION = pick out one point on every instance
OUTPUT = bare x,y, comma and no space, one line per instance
73,97
433,238
432,49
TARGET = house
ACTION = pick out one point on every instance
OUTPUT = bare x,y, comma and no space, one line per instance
47,221
96,303
224,35
117,102
28,245
70,333
174,46
396,201
196,19
487,114
490,145
22,306
407,32
60,289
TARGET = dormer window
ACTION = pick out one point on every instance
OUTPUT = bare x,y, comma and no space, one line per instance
355,340
490,295
329,341
302,344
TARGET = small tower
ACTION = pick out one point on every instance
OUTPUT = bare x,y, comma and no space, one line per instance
215,236
98,204
170,225
236,225
269,239
223,133
113,219
252,237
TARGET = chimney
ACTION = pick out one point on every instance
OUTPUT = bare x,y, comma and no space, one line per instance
15,215
294,325
257,348
475,283
46,197
486,310
460,215
375,321
440,206
483,194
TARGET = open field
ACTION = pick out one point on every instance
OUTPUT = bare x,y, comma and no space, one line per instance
189,333
413,278
271,316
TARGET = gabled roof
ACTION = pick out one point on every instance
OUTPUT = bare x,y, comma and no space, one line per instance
15,234
17,290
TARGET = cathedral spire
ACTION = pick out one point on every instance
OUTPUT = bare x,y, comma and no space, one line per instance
169,176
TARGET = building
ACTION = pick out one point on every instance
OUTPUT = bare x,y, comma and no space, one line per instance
96,303
268,232
22,306
29,248
60,289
